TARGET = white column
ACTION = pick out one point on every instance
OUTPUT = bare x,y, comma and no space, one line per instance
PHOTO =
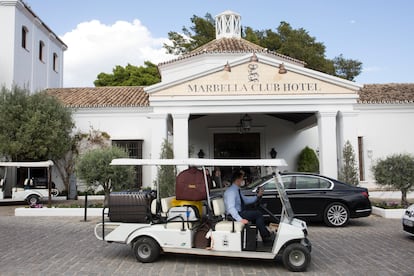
328,164
180,138
158,136
347,131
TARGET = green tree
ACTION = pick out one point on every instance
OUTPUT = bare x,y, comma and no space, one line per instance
349,170
33,127
202,31
397,172
308,161
295,43
166,174
347,68
94,168
130,76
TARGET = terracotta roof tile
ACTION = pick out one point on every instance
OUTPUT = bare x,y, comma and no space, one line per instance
387,93
135,96
232,45
95,97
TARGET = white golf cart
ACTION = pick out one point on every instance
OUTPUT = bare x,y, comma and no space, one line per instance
32,191
223,238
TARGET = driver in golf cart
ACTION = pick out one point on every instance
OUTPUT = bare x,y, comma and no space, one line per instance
235,203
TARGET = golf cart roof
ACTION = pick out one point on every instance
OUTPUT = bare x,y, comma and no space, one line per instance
40,164
201,162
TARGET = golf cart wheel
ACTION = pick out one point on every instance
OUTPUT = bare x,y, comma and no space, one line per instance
54,192
336,215
33,199
296,257
146,250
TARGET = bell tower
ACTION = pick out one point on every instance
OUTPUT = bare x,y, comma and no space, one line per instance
228,25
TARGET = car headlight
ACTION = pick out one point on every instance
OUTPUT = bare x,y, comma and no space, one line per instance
409,213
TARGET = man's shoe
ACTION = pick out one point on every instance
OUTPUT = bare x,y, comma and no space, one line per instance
269,238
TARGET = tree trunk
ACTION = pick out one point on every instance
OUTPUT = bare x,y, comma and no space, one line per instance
404,201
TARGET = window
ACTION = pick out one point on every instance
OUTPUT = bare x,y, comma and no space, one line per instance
361,158
288,182
25,32
306,182
134,149
55,62
41,50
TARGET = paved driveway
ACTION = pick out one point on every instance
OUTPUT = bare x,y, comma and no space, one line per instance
67,246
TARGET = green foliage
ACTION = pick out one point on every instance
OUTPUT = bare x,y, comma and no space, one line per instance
308,161
295,43
93,167
166,174
396,171
349,170
130,76
202,31
347,68
33,127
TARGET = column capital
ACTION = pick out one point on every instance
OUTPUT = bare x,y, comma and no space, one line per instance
351,113
181,116
322,114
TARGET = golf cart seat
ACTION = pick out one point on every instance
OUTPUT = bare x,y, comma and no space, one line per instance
219,210
166,204
172,213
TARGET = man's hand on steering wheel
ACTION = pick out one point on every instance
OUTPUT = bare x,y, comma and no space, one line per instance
260,192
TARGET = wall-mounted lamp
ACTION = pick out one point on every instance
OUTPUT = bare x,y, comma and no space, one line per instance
227,67
282,69
273,153
201,154
254,58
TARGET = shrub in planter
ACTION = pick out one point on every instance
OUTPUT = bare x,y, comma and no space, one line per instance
308,161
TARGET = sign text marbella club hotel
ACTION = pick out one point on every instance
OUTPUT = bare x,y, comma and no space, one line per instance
231,98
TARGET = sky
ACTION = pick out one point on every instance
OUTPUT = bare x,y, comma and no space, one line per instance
101,34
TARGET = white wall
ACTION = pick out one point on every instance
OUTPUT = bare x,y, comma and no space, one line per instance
7,38
386,130
120,124
21,66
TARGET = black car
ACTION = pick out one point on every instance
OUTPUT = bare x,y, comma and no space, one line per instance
315,198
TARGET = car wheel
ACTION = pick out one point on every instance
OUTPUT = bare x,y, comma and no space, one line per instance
146,250
296,257
336,215
33,199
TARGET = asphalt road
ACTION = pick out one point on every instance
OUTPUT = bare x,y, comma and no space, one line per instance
67,246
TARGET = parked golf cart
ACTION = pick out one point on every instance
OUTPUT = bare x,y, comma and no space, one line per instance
33,190
177,229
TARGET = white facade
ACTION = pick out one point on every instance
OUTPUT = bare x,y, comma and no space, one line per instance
31,54
385,129
204,96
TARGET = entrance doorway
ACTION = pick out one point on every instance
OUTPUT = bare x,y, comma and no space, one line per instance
237,146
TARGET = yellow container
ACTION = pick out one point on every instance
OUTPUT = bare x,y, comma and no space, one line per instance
197,204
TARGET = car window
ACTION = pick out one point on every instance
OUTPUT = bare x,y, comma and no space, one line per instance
270,184
311,182
287,183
